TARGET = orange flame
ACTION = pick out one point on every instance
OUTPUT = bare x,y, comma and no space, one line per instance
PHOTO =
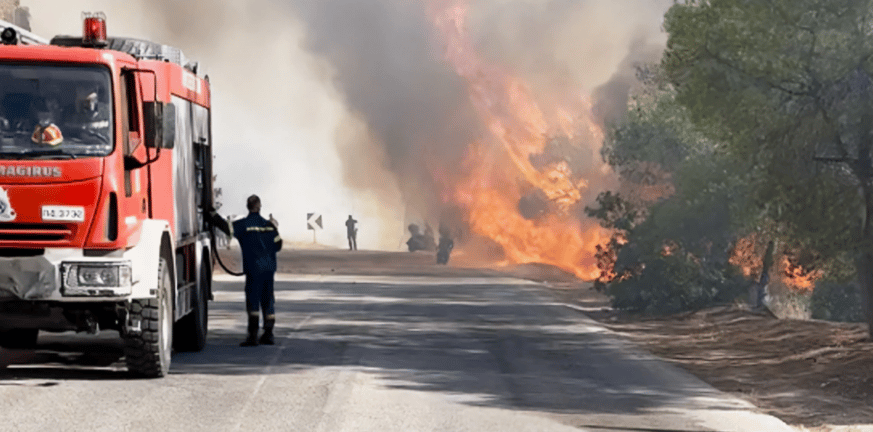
748,255
517,129
796,277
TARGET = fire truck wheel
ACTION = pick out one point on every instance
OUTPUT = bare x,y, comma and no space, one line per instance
148,351
19,338
191,330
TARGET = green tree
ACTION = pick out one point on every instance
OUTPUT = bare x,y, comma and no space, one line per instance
786,85
675,211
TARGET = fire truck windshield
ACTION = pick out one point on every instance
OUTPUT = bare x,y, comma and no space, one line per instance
54,110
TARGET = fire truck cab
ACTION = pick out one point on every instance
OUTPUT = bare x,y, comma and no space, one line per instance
105,182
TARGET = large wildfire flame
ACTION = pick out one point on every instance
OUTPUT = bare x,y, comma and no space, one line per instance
499,169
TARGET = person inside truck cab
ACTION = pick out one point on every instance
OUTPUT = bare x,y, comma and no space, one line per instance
30,113
88,118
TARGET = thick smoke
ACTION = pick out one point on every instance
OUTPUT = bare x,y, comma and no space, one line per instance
414,110
564,46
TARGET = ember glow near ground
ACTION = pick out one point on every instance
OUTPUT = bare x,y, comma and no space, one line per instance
401,348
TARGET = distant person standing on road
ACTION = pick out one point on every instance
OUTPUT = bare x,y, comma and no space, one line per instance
259,240
352,233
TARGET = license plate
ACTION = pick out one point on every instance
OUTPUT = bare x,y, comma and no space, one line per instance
63,213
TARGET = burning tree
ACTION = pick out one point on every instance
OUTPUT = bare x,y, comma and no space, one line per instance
676,211
788,86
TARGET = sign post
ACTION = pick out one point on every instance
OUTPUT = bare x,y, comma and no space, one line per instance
313,222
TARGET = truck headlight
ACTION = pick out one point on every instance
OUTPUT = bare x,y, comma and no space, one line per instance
80,278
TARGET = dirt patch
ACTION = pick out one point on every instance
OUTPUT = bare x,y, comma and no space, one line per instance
360,263
814,375
299,259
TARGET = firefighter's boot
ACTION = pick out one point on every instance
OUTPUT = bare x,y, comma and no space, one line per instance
252,339
267,338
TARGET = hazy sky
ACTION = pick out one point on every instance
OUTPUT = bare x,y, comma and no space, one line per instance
328,105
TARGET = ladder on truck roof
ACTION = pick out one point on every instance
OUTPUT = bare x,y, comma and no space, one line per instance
138,48
26,37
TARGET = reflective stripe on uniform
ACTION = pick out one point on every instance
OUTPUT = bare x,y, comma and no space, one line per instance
270,316
260,229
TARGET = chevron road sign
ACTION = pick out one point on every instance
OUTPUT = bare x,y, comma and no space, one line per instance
313,221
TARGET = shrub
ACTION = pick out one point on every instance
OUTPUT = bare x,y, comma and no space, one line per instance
671,284
835,301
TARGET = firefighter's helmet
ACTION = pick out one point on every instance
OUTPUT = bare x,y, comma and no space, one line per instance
47,135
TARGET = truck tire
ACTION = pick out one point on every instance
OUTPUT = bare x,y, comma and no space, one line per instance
148,352
192,329
19,338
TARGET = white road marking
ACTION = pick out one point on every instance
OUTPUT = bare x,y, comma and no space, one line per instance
267,372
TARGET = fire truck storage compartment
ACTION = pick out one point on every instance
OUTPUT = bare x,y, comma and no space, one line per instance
192,132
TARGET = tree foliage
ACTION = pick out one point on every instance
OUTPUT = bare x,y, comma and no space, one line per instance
786,85
676,240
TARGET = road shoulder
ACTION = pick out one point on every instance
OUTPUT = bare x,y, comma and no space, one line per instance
816,376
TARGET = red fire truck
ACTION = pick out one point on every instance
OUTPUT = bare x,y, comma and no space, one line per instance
105,183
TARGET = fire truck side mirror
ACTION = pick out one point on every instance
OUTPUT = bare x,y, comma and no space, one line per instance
160,122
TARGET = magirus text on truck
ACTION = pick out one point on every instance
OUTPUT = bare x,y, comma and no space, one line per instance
105,177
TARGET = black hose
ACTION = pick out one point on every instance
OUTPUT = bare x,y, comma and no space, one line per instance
218,257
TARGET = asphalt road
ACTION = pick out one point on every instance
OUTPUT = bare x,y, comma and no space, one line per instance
375,353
